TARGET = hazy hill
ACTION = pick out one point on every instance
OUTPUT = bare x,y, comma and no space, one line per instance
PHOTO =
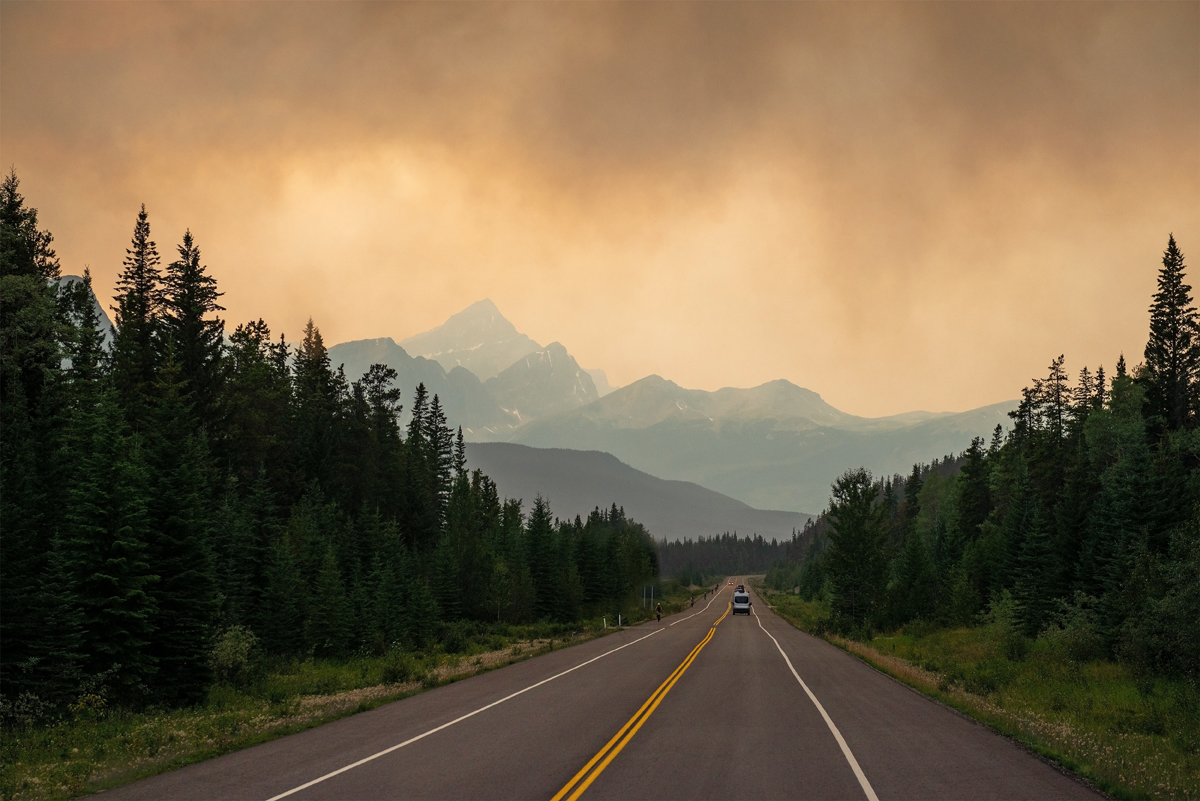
462,395
775,446
543,382
576,482
478,338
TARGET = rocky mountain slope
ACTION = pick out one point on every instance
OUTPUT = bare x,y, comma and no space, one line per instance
478,338
541,383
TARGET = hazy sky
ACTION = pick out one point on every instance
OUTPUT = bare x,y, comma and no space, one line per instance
899,206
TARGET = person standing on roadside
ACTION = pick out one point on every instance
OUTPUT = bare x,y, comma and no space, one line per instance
658,612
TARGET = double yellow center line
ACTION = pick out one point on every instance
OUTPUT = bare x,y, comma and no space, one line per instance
596,765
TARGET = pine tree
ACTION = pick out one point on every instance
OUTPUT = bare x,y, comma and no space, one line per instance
1172,366
179,550
106,546
539,533
856,559
1116,527
446,576
441,441
257,426
281,624
320,394
189,306
329,617
1038,576
34,327
974,501
914,591
54,671
460,455
24,248
911,507
139,311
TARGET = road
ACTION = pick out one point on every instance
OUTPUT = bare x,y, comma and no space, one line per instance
702,705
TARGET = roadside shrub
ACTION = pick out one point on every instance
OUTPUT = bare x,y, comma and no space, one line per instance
456,638
1073,632
234,654
23,710
1003,620
401,668
1164,638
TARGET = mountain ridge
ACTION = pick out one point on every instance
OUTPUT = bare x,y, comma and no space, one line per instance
478,338
575,482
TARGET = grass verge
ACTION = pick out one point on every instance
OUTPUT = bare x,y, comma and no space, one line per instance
100,748
1132,737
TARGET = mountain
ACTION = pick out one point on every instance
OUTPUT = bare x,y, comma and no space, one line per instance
478,338
773,446
600,379
463,397
543,382
575,482
104,324
654,399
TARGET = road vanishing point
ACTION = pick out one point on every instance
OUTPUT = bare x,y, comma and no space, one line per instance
702,705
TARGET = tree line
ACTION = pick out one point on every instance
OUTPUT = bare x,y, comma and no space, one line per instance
695,561
1080,522
183,482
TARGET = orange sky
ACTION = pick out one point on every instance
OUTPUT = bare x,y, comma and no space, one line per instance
899,206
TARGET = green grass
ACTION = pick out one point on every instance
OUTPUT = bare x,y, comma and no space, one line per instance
1133,737
96,748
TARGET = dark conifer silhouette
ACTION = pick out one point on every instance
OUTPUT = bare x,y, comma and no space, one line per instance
1172,366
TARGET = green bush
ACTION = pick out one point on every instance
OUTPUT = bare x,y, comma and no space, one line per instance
1074,632
401,667
456,637
234,655
1003,620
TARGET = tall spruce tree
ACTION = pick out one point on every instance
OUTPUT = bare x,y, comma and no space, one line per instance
1172,366
539,533
139,317
856,560
33,330
281,620
190,323
329,616
106,546
179,550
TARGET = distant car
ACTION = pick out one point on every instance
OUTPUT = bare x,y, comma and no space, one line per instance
741,603
731,582
740,588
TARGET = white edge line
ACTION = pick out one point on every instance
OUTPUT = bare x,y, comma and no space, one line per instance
858,772
702,611
411,740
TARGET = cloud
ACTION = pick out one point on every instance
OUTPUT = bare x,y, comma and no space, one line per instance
898,205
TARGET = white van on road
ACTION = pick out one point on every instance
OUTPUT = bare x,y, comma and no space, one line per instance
741,603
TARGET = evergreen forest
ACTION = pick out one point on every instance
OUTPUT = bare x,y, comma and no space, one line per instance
1080,524
696,561
187,483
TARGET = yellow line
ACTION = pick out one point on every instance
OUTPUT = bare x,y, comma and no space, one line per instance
634,723
617,736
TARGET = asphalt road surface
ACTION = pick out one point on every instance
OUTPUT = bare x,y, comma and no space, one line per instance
702,705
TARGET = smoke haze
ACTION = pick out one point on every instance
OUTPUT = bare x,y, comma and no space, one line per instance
898,205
